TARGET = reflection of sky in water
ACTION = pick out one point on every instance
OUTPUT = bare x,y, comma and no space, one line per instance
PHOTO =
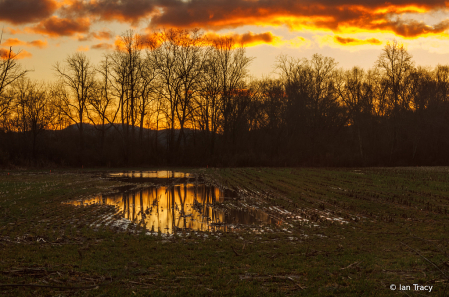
181,206
151,174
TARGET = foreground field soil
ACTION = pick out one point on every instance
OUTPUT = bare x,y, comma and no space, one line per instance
340,232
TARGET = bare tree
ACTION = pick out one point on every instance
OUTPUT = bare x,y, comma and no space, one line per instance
76,80
126,81
33,108
356,90
395,63
323,96
165,59
312,106
232,71
179,60
148,89
273,99
100,107
10,71
131,53
208,112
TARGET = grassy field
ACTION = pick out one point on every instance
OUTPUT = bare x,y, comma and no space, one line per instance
345,232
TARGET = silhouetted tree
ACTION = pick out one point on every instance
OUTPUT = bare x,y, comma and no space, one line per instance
34,111
76,80
101,104
232,64
10,71
395,64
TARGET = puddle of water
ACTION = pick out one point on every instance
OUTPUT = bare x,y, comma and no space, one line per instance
180,207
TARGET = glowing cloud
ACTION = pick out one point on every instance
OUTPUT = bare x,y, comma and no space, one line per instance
5,54
56,26
100,35
103,46
82,48
17,42
354,41
248,39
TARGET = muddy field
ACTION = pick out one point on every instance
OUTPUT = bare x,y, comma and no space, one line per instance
233,232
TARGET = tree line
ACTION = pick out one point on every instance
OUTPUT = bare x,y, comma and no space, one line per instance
175,97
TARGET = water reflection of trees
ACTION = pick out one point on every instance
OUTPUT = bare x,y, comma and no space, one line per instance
169,207
179,207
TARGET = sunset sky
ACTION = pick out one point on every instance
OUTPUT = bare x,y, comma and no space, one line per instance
353,32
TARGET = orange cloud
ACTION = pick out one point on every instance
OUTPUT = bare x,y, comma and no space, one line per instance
71,17
38,43
102,46
247,39
100,35
56,26
17,42
151,40
12,31
82,48
5,54
354,41
337,16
